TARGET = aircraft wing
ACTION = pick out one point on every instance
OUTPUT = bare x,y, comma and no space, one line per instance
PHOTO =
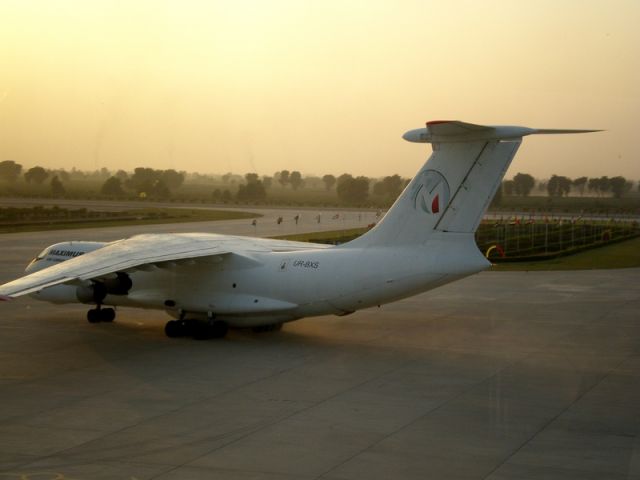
138,252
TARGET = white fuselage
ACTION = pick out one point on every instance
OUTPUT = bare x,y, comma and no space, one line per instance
263,287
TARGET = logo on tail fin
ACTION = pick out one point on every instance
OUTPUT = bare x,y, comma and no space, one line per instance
431,192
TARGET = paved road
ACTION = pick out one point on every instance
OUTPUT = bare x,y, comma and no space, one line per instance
500,376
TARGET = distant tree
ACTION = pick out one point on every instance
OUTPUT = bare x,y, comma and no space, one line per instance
251,192
497,197
599,186
122,175
36,175
226,196
267,182
172,179
389,187
558,186
226,177
352,190
216,195
295,179
580,183
619,186
61,173
508,187
57,188
523,183
77,174
112,187
251,177
283,177
329,181
143,180
10,170
342,178
160,190
314,182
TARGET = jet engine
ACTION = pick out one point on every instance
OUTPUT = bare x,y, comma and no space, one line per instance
96,292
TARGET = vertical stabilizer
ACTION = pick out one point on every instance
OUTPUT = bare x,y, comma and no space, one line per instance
452,191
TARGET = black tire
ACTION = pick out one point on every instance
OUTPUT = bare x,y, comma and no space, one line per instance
208,330
93,316
219,329
107,315
202,331
173,329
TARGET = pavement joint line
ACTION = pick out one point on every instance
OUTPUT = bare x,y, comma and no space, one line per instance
562,412
420,417
464,392
194,402
601,335
302,410
130,426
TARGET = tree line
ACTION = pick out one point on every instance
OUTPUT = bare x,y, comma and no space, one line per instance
142,182
523,184
145,182
349,189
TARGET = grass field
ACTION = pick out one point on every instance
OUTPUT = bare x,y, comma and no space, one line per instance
625,254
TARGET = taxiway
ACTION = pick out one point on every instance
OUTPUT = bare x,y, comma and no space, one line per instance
499,376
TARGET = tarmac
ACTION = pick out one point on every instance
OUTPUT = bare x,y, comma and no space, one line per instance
503,375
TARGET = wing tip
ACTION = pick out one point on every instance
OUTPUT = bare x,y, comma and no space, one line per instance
6,298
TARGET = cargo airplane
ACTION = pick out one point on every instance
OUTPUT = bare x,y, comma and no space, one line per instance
210,282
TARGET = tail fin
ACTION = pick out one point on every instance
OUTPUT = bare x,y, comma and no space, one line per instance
452,190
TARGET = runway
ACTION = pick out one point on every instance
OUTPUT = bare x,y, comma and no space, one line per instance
499,376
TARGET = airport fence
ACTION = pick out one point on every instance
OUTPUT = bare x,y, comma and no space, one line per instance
520,239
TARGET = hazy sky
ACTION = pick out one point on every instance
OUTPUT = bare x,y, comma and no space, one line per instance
316,86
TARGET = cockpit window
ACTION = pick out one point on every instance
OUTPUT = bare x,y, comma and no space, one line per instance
42,254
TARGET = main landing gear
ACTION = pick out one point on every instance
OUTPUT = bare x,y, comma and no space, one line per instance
97,315
198,329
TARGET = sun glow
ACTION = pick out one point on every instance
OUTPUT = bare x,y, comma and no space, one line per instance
323,87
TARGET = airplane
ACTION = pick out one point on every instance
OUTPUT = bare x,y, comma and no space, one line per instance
209,282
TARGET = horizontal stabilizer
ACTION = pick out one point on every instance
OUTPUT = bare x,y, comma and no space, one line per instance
551,131
450,131
454,188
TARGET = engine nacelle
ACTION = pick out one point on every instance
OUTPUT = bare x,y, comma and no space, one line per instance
118,284
94,291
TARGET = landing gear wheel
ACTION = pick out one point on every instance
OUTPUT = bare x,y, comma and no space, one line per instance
219,329
211,329
107,315
173,329
180,328
93,315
